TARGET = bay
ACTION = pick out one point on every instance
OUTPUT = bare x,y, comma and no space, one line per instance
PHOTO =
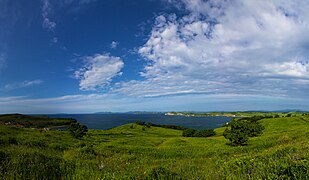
108,121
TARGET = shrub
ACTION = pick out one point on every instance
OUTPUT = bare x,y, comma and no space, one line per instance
204,133
188,132
236,136
140,123
255,129
77,130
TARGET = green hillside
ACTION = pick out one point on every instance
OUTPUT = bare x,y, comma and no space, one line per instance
27,121
139,152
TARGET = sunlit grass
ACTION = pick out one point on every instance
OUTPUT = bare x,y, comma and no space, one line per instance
134,151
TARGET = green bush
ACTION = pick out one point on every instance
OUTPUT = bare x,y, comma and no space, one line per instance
77,130
188,132
236,136
241,129
201,133
205,133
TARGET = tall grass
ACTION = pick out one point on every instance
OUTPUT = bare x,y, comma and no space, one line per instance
137,152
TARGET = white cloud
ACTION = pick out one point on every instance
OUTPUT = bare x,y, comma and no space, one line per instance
114,44
47,22
243,47
24,84
98,71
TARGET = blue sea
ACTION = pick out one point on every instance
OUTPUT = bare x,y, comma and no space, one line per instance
108,121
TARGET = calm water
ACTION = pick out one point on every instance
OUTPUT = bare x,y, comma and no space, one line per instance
107,121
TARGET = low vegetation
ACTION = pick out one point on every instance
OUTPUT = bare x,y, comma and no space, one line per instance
135,151
168,126
27,121
198,133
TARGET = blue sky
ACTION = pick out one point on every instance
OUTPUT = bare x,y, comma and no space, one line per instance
83,56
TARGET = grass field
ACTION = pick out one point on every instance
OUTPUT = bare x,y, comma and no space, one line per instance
133,151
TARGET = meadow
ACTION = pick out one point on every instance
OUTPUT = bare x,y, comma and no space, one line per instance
135,151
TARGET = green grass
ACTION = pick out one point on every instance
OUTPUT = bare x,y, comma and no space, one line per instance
138,152
33,121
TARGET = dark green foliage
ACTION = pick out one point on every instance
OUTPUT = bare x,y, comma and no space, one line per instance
188,133
254,129
205,133
77,130
12,140
142,123
148,125
33,121
3,157
242,129
200,133
236,136
295,171
288,115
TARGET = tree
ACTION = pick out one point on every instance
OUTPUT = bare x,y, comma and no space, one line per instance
77,130
238,134
241,129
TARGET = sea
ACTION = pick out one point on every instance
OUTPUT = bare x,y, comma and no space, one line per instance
108,121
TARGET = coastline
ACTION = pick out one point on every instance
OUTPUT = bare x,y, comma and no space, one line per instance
199,115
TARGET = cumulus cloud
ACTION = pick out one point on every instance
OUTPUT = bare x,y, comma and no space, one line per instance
24,84
242,47
98,71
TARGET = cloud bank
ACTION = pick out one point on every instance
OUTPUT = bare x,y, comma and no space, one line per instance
221,47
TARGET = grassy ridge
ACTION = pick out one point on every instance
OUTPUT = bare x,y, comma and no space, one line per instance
133,151
33,121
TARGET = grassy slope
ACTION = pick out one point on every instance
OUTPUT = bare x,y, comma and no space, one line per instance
33,121
136,151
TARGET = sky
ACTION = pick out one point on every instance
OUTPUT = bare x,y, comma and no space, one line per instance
85,56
